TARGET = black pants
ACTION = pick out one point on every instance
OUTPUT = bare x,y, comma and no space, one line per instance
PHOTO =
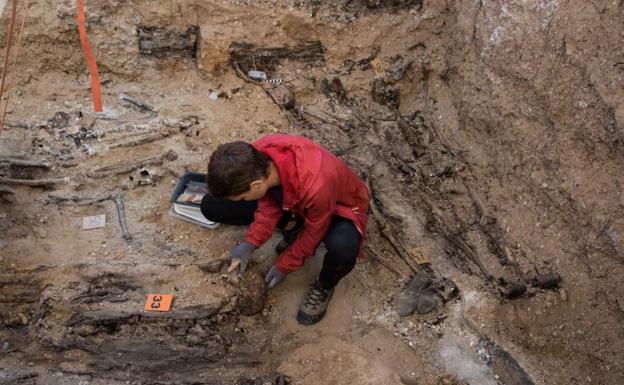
342,240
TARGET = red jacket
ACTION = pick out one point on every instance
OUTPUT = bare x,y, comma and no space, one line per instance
316,185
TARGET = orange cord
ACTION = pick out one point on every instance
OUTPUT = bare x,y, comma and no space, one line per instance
7,50
84,41
17,47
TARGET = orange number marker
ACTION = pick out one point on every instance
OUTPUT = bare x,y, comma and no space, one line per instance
158,302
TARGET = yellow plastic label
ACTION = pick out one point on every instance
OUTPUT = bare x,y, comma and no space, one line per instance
378,67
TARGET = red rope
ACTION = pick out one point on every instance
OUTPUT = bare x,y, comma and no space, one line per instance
17,47
86,47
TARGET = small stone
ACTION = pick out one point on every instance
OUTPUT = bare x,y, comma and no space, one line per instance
60,120
386,94
513,289
214,95
193,339
198,330
427,300
171,155
407,300
40,232
408,380
563,295
547,281
333,87
283,96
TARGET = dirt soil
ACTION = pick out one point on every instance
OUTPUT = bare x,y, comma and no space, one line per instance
492,142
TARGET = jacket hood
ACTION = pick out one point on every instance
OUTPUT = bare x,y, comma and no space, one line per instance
297,160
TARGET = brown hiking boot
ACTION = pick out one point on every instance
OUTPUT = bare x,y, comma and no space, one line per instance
314,304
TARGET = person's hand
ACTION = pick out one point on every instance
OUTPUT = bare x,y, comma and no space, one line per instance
274,277
239,255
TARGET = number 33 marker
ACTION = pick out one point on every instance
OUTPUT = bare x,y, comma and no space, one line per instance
158,302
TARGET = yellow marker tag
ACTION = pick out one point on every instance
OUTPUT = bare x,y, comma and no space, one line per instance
418,256
158,302
378,67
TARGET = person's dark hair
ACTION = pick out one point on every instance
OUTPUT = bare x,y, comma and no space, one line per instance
232,168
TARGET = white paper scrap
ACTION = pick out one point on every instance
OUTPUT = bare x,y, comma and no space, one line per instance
94,222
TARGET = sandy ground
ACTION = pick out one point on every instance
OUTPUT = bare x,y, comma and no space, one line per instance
500,161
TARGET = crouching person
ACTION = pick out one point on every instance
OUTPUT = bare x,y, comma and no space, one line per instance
294,185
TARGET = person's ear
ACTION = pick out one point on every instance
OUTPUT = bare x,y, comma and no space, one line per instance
256,185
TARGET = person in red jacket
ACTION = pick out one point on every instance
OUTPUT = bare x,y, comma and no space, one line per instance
290,183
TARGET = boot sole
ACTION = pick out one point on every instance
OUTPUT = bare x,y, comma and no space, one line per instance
306,319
